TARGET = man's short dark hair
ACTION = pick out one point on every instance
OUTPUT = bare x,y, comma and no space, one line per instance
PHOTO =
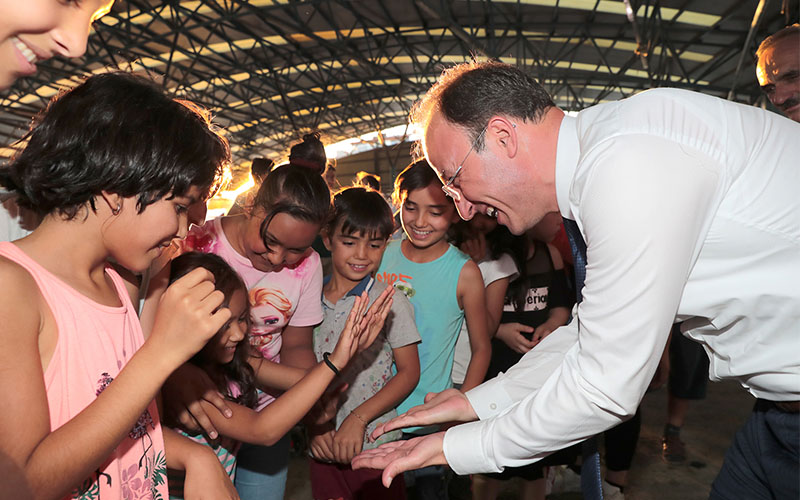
118,133
361,210
469,94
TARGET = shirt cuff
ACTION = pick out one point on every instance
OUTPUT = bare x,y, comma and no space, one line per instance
489,398
463,449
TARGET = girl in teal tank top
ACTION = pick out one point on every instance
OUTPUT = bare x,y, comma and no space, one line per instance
444,285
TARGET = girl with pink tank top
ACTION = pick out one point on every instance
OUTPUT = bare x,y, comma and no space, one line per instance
110,169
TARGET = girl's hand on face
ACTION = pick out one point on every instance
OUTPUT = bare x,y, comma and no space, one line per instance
511,334
182,393
188,315
475,247
349,439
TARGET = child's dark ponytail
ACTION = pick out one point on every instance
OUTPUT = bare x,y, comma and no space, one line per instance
310,153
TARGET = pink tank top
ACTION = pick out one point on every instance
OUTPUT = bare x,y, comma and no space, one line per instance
94,343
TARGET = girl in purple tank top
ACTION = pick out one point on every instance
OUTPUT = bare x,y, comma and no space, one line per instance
110,169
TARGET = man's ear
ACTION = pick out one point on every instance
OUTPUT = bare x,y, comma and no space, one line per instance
502,132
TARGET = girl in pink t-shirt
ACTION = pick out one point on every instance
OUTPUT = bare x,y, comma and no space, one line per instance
269,246
110,169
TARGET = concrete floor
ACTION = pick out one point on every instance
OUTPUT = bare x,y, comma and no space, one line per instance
707,433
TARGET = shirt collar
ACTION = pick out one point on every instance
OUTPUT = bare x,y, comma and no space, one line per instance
567,153
363,285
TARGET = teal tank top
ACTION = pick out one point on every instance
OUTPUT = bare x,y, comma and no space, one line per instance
431,289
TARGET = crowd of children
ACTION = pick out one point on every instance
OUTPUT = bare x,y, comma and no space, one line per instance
240,337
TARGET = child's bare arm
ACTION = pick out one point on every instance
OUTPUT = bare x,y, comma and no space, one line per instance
297,347
275,375
472,297
557,316
55,462
349,439
271,423
495,297
205,476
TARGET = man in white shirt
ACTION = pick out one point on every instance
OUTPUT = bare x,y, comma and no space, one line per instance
690,210
778,70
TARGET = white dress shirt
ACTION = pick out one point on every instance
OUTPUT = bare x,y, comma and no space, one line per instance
690,208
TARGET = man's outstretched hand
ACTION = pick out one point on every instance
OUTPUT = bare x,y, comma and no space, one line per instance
450,405
399,456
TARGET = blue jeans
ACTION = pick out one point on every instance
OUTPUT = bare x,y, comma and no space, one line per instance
762,461
261,470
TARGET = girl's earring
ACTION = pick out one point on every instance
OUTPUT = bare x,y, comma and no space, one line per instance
116,211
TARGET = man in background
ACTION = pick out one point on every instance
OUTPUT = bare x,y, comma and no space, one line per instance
778,70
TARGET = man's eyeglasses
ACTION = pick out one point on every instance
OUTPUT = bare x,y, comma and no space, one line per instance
448,187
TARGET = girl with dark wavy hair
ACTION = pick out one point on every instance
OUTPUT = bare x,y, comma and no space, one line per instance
226,360
111,168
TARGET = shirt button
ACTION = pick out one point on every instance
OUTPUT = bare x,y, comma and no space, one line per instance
493,406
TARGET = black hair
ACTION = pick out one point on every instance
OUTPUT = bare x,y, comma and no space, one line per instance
238,370
310,153
296,191
361,210
369,180
118,133
261,167
469,94
418,175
